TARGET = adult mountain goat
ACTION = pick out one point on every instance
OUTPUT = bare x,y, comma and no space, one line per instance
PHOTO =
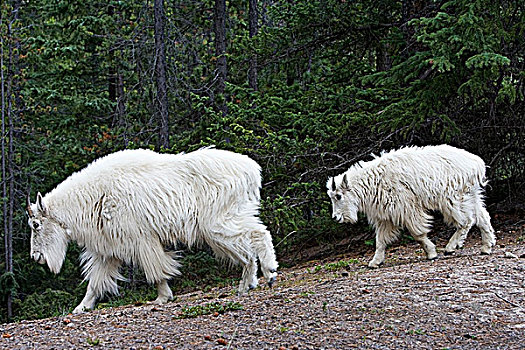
400,188
125,207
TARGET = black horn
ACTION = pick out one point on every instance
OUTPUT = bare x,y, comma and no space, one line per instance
333,184
28,208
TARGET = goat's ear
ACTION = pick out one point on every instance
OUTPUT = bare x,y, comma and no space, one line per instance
344,183
40,204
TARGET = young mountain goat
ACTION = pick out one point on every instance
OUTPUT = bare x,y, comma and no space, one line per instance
125,207
398,190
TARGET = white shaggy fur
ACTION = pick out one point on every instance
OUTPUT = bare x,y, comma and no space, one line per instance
127,206
398,190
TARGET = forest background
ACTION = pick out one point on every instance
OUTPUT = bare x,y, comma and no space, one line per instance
303,87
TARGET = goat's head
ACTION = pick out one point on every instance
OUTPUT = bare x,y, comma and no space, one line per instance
344,201
49,238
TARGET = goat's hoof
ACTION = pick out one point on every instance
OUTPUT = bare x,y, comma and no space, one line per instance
271,281
160,301
446,252
79,310
373,265
486,251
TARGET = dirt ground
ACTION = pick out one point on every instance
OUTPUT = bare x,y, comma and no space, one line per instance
463,301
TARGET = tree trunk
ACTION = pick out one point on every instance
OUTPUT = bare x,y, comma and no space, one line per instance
121,99
112,73
220,50
5,195
383,60
4,155
253,30
161,100
10,98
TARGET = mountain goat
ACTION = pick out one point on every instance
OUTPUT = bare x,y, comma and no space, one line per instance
398,189
125,207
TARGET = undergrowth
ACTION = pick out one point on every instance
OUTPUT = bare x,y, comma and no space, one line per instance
199,271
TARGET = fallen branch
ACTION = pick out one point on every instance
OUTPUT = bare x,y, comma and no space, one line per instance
510,302
282,240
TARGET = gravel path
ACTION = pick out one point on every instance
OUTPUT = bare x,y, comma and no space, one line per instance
464,301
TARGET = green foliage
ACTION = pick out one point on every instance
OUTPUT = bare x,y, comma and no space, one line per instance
335,266
93,341
138,295
45,304
200,270
459,57
8,284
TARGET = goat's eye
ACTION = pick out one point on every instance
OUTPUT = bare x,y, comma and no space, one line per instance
338,197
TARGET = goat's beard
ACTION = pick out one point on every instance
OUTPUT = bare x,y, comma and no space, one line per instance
55,254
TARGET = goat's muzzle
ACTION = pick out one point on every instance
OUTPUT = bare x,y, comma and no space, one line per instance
338,218
38,257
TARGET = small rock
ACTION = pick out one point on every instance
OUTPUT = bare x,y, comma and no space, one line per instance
510,255
344,274
457,309
222,341
470,336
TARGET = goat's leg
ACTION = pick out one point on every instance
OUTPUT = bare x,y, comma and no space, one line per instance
244,240
89,300
428,246
487,232
463,222
379,255
386,233
419,229
458,239
158,266
164,292
237,248
249,276
101,273
262,242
